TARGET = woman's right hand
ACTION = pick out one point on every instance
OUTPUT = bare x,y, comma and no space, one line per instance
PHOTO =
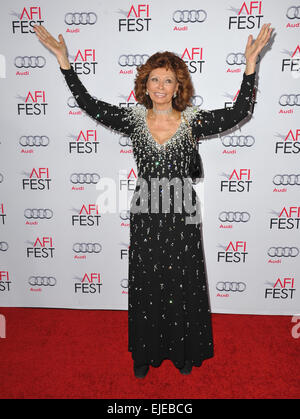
59,48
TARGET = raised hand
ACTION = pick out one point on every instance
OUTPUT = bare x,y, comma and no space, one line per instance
254,48
59,48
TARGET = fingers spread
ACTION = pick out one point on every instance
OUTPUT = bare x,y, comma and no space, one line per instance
41,30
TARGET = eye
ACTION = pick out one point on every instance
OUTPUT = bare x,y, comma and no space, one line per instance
169,81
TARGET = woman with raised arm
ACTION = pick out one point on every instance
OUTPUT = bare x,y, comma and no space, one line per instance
168,302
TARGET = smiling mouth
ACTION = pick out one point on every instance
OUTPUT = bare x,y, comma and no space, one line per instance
160,94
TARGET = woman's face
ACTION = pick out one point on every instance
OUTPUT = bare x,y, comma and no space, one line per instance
161,86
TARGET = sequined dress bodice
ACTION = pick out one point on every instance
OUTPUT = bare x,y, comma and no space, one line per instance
172,158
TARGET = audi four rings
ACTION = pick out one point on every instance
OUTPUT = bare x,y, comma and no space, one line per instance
84,178
238,58
47,281
83,18
87,247
38,213
132,60
34,140
231,286
238,141
290,100
283,251
234,216
293,12
30,61
189,16
286,179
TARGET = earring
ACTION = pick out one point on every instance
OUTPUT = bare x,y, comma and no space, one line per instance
174,95
147,93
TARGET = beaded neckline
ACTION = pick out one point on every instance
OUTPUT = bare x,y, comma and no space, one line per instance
167,141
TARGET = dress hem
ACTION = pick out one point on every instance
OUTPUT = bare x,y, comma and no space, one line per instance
176,364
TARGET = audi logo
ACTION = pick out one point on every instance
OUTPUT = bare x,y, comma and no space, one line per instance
132,60
1,178
197,100
34,140
38,213
238,141
3,246
124,283
30,61
83,18
87,247
286,179
72,102
231,286
283,251
39,281
234,216
125,141
289,100
84,178
237,58
293,12
189,16
125,215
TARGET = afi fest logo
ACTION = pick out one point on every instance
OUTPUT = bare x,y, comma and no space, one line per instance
284,288
193,58
38,179
289,143
238,181
292,64
35,103
89,284
84,143
248,16
87,216
137,19
128,101
288,218
84,61
41,248
29,17
234,252
4,281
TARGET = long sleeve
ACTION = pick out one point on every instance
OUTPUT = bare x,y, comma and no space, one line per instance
209,122
112,116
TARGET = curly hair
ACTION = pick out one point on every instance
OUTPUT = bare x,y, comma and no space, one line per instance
167,60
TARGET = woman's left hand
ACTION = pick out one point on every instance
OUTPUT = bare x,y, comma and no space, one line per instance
253,49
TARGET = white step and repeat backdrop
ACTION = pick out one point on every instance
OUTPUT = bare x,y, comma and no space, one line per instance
57,249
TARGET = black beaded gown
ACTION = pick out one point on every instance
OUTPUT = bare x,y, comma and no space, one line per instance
169,313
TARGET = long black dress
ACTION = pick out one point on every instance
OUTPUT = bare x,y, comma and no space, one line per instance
168,302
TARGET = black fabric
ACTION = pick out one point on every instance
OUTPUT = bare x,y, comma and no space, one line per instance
169,313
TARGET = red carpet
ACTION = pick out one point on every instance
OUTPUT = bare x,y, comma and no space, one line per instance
53,353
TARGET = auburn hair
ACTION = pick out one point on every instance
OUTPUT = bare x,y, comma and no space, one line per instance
167,60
